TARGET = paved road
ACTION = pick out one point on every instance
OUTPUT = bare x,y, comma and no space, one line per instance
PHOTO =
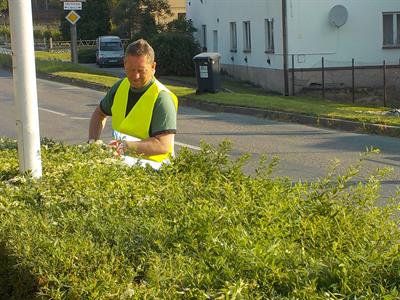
305,152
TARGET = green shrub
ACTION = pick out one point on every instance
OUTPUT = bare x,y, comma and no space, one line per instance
87,55
174,53
5,61
41,31
5,31
92,228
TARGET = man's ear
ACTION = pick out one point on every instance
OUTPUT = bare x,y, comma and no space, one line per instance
154,67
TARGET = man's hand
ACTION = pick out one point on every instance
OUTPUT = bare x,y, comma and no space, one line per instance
119,146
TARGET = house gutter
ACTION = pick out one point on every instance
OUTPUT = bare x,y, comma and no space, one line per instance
285,48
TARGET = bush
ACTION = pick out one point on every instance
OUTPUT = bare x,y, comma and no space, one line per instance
92,228
5,61
87,55
174,53
5,31
40,32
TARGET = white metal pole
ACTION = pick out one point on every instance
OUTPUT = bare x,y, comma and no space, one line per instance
25,90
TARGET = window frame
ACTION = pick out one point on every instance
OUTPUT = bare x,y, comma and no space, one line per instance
395,30
233,36
215,40
269,35
246,36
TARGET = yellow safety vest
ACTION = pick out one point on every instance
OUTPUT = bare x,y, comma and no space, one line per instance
137,122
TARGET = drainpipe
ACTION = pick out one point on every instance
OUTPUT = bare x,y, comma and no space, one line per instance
285,48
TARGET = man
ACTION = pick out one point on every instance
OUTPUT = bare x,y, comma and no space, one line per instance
143,110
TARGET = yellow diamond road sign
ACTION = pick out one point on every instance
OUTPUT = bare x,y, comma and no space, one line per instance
73,17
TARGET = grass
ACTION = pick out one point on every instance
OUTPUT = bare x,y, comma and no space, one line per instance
196,229
241,94
106,81
302,105
58,56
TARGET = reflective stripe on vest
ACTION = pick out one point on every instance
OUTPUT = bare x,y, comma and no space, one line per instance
137,122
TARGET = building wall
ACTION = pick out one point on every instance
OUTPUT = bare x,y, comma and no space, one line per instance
310,35
217,14
269,79
177,7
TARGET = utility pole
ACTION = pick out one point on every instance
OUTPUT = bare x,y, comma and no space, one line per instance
25,90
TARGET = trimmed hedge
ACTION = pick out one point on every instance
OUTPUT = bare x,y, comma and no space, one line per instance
92,228
87,55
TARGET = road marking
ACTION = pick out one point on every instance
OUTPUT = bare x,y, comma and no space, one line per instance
79,118
82,118
62,114
53,112
70,88
187,146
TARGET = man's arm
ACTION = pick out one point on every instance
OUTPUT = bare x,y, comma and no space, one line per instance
97,123
158,144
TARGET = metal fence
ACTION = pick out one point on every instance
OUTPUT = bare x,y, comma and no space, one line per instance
352,76
61,46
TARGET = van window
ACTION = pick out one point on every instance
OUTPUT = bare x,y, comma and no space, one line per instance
110,46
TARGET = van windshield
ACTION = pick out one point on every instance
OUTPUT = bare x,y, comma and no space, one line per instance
110,46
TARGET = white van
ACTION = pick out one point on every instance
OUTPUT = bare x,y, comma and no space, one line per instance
109,51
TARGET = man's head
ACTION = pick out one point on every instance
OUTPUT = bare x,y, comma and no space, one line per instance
139,63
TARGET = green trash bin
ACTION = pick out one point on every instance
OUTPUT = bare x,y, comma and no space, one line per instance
207,68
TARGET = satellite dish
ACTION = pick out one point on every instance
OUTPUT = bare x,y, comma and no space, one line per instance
338,15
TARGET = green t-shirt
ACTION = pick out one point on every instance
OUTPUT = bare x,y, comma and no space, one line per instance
164,112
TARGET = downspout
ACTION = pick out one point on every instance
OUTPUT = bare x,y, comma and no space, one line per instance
285,48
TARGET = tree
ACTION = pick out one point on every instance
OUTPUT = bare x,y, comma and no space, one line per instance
138,17
94,21
178,35
181,26
45,4
3,6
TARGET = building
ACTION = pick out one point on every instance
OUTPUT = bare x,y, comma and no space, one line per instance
281,44
178,10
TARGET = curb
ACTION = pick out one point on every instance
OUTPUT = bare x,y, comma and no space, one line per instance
72,81
340,124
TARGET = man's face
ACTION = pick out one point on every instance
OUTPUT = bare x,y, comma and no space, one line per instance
138,70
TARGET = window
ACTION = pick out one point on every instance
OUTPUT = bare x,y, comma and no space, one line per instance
391,29
181,16
215,39
269,36
111,46
246,37
204,37
233,32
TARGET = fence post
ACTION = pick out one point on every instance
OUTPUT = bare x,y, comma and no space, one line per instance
323,77
293,91
352,79
384,84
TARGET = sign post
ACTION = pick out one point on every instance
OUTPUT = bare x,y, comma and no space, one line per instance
25,89
73,17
